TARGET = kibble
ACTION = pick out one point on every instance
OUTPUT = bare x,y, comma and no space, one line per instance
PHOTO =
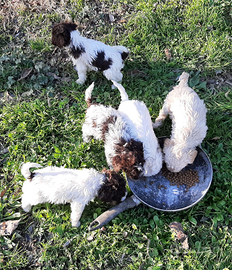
184,177
161,186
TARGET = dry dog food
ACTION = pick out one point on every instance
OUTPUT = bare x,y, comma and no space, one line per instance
184,177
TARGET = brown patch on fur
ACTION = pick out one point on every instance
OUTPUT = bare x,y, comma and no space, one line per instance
31,176
129,156
94,124
114,188
105,125
89,102
61,33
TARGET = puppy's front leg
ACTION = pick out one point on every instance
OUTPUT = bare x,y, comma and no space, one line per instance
26,205
81,70
76,212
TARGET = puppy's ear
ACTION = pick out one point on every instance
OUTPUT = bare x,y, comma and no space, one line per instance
114,188
61,34
191,156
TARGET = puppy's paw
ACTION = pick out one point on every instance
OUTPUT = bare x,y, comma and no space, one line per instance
26,208
80,81
86,139
76,223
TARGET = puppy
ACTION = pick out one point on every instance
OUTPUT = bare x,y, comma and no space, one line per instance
77,187
121,150
88,54
188,114
137,117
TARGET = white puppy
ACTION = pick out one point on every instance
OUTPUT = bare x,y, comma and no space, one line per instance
137,117
188,114
77,187
121,150
88,54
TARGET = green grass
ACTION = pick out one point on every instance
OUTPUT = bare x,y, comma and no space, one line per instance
42,111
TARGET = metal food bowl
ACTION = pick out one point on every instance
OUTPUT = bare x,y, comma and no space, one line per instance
157,192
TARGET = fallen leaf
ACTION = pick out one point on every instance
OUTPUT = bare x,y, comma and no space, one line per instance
25,73
27,93
168,54
216,138
111,17
66,79
3,192
122,21
7,227
90,238
226,94
180,236
102,229
125,234
53,75
136,72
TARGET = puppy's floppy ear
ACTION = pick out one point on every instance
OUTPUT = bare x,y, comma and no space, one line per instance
192,155
61,34
114,188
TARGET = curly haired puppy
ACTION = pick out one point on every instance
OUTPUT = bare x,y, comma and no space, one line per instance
188,114
121,150
77,187
137,117
88,54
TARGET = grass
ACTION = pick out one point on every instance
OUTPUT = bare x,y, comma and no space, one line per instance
42,110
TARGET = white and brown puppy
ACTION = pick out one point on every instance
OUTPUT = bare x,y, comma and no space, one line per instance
188,114
78,187
138,119
88,54
105,123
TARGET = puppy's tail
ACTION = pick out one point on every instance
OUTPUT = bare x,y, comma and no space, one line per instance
122,91
123,50
25,170
183,79
88,94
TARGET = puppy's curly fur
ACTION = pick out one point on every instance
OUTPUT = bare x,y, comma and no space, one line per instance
114,181
188,114
77,187
105,123
88,54
126,155
137,117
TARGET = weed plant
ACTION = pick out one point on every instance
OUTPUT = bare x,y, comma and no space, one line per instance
42,110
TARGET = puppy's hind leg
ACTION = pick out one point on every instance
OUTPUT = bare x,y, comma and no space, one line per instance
76,212
82,71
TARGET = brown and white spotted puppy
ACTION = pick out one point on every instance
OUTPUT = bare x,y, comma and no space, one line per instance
78,187
88,54
106,124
